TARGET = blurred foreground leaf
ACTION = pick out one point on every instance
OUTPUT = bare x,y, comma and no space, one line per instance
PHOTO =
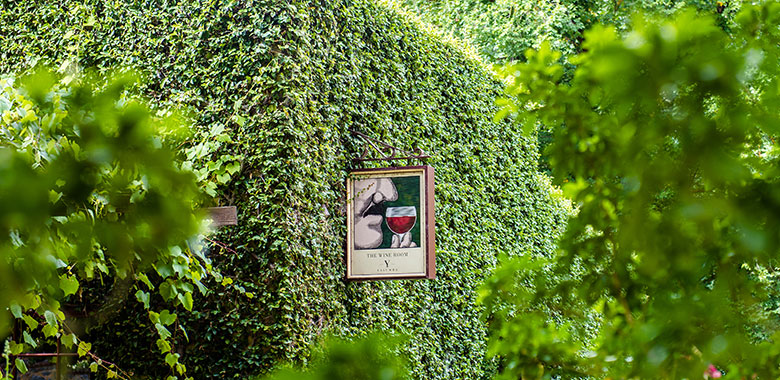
90,193
374,357
666,138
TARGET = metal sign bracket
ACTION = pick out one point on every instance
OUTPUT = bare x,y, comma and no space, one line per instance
386,151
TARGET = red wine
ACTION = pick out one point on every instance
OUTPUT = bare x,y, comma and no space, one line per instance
401,224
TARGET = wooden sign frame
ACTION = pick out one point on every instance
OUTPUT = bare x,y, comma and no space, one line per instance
379,200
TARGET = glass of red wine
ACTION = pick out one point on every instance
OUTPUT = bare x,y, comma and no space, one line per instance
400,220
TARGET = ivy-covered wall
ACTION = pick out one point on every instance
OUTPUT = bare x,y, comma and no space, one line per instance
277,86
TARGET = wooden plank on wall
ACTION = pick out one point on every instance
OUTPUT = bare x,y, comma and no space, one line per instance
223,216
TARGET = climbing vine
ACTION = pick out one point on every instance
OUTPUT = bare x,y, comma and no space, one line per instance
87,206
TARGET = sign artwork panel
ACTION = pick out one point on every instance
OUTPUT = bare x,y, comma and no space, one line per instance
390,223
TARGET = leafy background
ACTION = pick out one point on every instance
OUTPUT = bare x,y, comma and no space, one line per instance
274,88
502,30
666,138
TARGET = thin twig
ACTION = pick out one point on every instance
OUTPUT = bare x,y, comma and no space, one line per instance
100,362
231,250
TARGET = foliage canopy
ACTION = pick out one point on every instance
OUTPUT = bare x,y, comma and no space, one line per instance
666,139
502,30
87,177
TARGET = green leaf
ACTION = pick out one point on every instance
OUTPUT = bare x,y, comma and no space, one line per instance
29,340
186,300
69,284
167,318
186,287
143,278
90,21
165,270
16,348
162,331
50,331
30,321
201,287
163,345
180,268
217,129
68,340
233,167
143,297
21,366
84,348
168,291
93,367
223,178
16,310
175,251
211,189
51,319
31,301
54,196
240,120
171,359
183,331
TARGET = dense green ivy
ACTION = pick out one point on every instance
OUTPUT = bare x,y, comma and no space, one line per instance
276,87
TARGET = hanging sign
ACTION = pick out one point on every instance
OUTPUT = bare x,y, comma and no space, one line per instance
390,223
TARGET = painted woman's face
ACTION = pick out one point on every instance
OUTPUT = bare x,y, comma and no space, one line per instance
368,211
